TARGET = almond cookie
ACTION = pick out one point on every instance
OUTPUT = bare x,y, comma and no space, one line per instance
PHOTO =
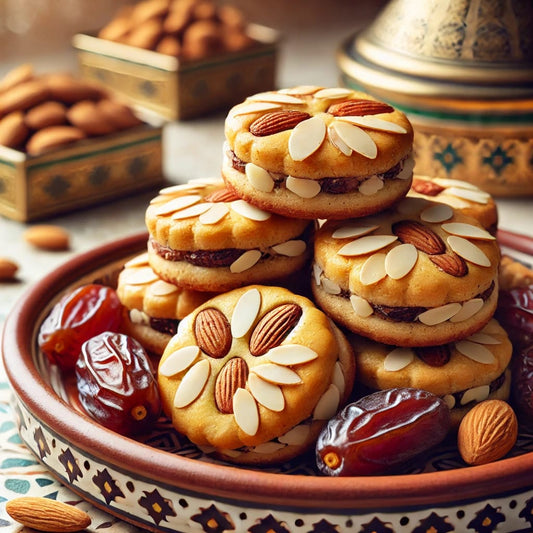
463,372
312,152
254,374
153,306
461,195
418,274
204,237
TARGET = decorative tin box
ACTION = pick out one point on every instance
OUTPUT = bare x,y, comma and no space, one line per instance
180,90
80,174
463,73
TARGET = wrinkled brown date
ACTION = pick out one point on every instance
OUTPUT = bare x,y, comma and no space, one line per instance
522,385
116,384
381,431
515,314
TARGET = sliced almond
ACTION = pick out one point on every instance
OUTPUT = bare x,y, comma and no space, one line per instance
337,141
437,315
245,411
306,138
277,374
338,378
291,354
401,260
367,244
291,248
344,232
330,286
483,338
249,108
296,436
477,196
332,92
245,313
138,276
247,210
304,188
397,359
177,204
357,139
162,288
192,384
259,177
275,97
267,394
373,269
436,213
467,230
468,310
328,404
246,261
475,394
371,186
374,123
191,211
214,214
138,260
476,352
179,360
468,251
361,307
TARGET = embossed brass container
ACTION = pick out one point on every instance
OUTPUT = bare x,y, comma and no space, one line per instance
462,70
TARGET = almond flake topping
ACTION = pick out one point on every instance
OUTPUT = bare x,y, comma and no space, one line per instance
301,90
328,404
245,313
361,307
436,213
139,260
163,288
191,211
476,394
476,352
177,204
291,354
338,378
179,360
214,214
192,384
374,123
246,261
267,394
333,92
400,261
245,411
337,141
478,197
440,314
253,107
344,232
295,436
448,182
306,138
371,186
330,286
373,269
247,210
468,251
469,309
279,375
356,138
275,97
367,244
483,338
397,359
292,248
259,177
467,230
303,187
139,276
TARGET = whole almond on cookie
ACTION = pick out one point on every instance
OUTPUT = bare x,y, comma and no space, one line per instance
487,432
44,514
47,237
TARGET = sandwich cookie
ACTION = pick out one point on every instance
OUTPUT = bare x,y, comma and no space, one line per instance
204,237
461,195
313,152
153,306
253,374
418,274
463,372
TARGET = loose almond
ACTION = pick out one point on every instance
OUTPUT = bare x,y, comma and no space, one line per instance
45,514
8,269
48,237
487,432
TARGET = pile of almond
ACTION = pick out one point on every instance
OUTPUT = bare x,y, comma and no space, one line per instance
187,29
41,112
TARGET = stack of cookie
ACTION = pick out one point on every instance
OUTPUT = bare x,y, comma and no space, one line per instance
410,272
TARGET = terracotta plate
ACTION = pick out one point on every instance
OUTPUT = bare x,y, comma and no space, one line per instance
165,484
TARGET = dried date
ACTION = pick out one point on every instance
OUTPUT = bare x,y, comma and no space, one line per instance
81,314
116,383
381,431
522,385
515,314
